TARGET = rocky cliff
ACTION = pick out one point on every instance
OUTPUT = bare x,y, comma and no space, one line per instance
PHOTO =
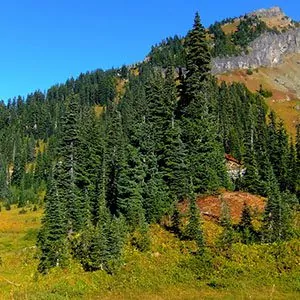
268,13
268,50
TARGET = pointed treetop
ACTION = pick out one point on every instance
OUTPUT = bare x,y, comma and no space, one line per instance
197,21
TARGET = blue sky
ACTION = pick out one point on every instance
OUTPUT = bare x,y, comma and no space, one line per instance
46,42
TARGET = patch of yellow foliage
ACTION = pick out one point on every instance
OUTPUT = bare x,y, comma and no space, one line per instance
98,110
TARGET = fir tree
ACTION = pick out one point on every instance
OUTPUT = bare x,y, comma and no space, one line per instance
227,237
52,239
245,226
193,229
276,222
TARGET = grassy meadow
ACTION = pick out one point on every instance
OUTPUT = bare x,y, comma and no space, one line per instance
167,271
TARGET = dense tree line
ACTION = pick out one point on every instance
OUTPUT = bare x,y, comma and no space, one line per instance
108,175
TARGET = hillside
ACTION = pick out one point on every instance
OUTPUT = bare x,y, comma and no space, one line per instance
274,17
282,81
167,271
155,180
274,58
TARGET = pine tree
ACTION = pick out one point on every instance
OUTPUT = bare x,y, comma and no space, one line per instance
197,106
197,53
174,166
291,176
227,237
52,239
205,157
197,63
277,220
69,176
129,187
19,167
245,226
114,155
155,192
172,155
251,181
193,229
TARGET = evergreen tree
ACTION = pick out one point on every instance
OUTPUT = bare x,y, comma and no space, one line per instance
69,175
245,226
251,181
114,155
130,201
197,55
52,239
276,222
227,237
197,63
193,229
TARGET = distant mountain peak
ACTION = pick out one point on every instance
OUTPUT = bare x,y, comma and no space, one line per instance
272,12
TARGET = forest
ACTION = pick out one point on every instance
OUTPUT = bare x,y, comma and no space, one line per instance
111,153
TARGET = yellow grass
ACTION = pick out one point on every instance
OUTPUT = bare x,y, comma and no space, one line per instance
286,110
278,22
153,275
230,28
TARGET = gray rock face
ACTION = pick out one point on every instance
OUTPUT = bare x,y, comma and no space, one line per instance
268,13
268,50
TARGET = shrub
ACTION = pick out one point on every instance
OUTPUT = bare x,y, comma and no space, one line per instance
22,211
265,93
249,71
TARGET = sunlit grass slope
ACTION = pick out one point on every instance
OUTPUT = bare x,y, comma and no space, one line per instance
167,271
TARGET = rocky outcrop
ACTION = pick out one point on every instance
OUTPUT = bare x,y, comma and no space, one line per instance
268,13
268,50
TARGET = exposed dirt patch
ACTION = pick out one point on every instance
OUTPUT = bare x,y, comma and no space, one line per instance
210,206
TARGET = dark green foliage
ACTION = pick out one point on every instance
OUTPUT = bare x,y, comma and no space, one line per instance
265,93
141,237
100,247
227,237
251,181
245,227
248,29
277,217
193,230
249,71
113,163
197,56
130,188
205,158
297,177
223,44
52,239
169,52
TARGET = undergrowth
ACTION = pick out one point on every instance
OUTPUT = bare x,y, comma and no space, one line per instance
167,271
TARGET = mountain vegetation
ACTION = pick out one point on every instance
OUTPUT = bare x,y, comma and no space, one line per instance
108,163
171,51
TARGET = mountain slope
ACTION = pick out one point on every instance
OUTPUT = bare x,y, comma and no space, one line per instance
282,80
273,61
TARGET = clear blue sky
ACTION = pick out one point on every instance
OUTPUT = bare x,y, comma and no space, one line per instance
45,42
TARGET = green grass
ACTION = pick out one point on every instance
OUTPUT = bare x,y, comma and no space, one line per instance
168,271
